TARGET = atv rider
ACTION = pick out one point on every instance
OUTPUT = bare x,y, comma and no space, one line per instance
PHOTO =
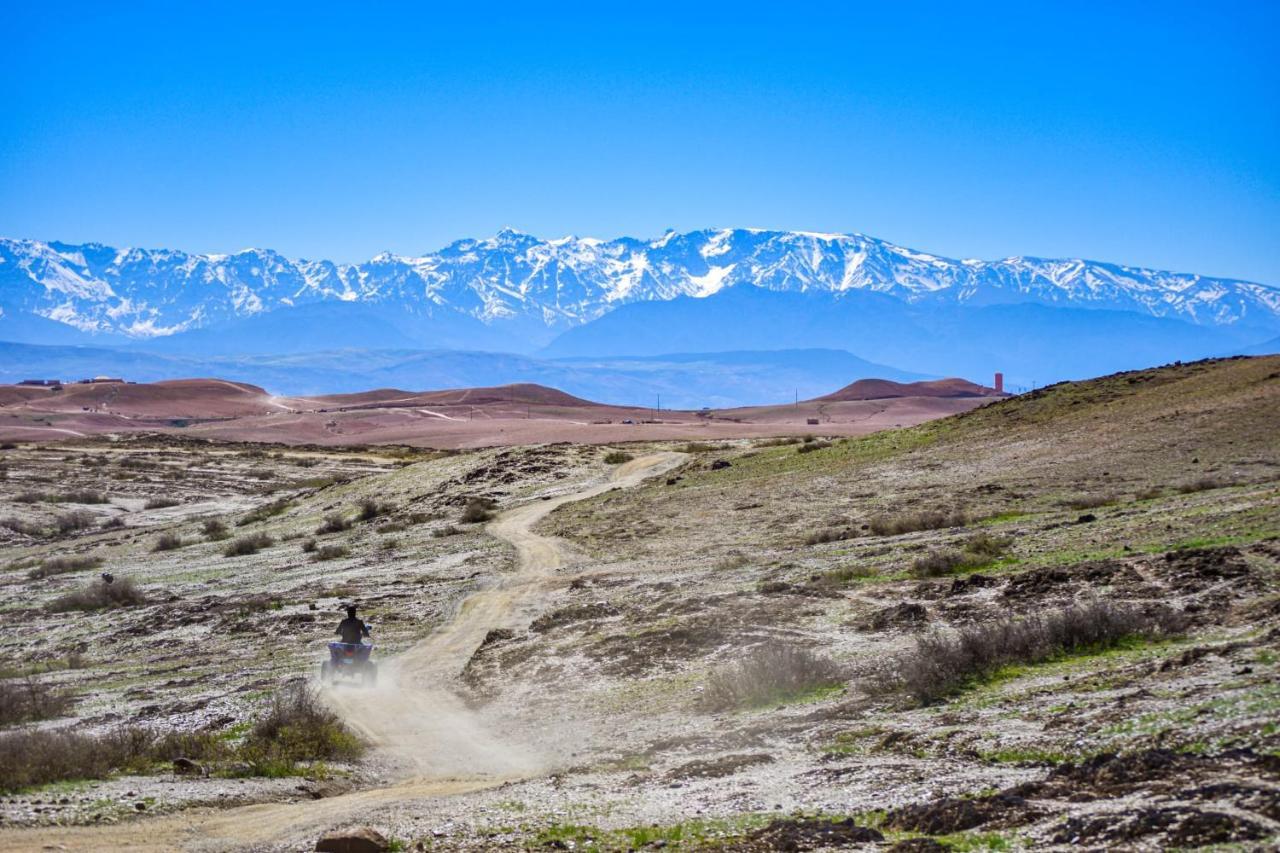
351,629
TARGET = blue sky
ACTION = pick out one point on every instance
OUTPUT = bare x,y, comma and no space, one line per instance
1140,133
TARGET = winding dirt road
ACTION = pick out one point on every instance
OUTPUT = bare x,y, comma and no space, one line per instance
414,718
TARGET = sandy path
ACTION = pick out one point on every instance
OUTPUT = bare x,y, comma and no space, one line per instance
413,717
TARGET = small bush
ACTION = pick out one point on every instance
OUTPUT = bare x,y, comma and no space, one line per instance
1149,494
298,727
844,575
330,552
1203,484
244,545
308,546
82,496
30,497
910,522
215,529
160,503
69,522
701,447
1089,501
943,662
167,542
115,522
778,442
100,595
389,545
62,565
937,563
979,550
447,530
25,528
478,510
265,511
829,534
769,673
371,509
810,446
334,523
30,700
617,457
392,527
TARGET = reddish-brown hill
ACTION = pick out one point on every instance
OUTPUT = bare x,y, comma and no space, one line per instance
882,389
523,394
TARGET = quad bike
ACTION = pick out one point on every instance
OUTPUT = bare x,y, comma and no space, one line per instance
349,661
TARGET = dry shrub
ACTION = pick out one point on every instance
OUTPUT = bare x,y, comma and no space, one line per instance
29,700
371,509
215,529
1149,494
168,542
392,527
308,546
978,550
1089,501
245,545
330,552
811,444
76,496
1203,484
115,522
447,530
885,525
69,522
265,511
62,565
778,442
944,662
160,503
298,727
334,523
17,525
478,510
617,457
829,534
122,592
32,757
769,673
844,575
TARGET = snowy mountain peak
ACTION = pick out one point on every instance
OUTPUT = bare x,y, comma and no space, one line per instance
516,279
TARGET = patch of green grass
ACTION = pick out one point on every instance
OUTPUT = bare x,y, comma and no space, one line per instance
691,834
1025,755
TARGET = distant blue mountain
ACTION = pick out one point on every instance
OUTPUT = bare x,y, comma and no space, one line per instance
1030,343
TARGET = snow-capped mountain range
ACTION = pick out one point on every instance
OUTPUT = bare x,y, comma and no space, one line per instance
538,288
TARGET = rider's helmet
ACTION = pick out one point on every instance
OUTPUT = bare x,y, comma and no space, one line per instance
351,611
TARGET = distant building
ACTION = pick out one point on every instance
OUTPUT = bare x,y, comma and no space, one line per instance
41,383
102,380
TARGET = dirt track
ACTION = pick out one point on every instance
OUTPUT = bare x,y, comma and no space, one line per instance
413,717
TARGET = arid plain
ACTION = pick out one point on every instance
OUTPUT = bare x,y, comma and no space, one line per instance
1040,622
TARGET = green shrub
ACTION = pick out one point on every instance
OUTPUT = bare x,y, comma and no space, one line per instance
617,457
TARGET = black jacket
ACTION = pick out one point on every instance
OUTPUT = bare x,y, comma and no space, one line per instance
352,630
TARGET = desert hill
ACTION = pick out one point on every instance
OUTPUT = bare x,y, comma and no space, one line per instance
882,389
522,393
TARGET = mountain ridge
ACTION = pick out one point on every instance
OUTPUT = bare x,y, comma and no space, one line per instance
530,289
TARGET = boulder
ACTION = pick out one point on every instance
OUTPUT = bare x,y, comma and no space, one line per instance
360,839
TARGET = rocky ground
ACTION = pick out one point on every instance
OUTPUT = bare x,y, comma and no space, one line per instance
1153,497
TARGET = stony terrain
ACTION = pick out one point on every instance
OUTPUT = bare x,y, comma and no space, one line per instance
743,651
